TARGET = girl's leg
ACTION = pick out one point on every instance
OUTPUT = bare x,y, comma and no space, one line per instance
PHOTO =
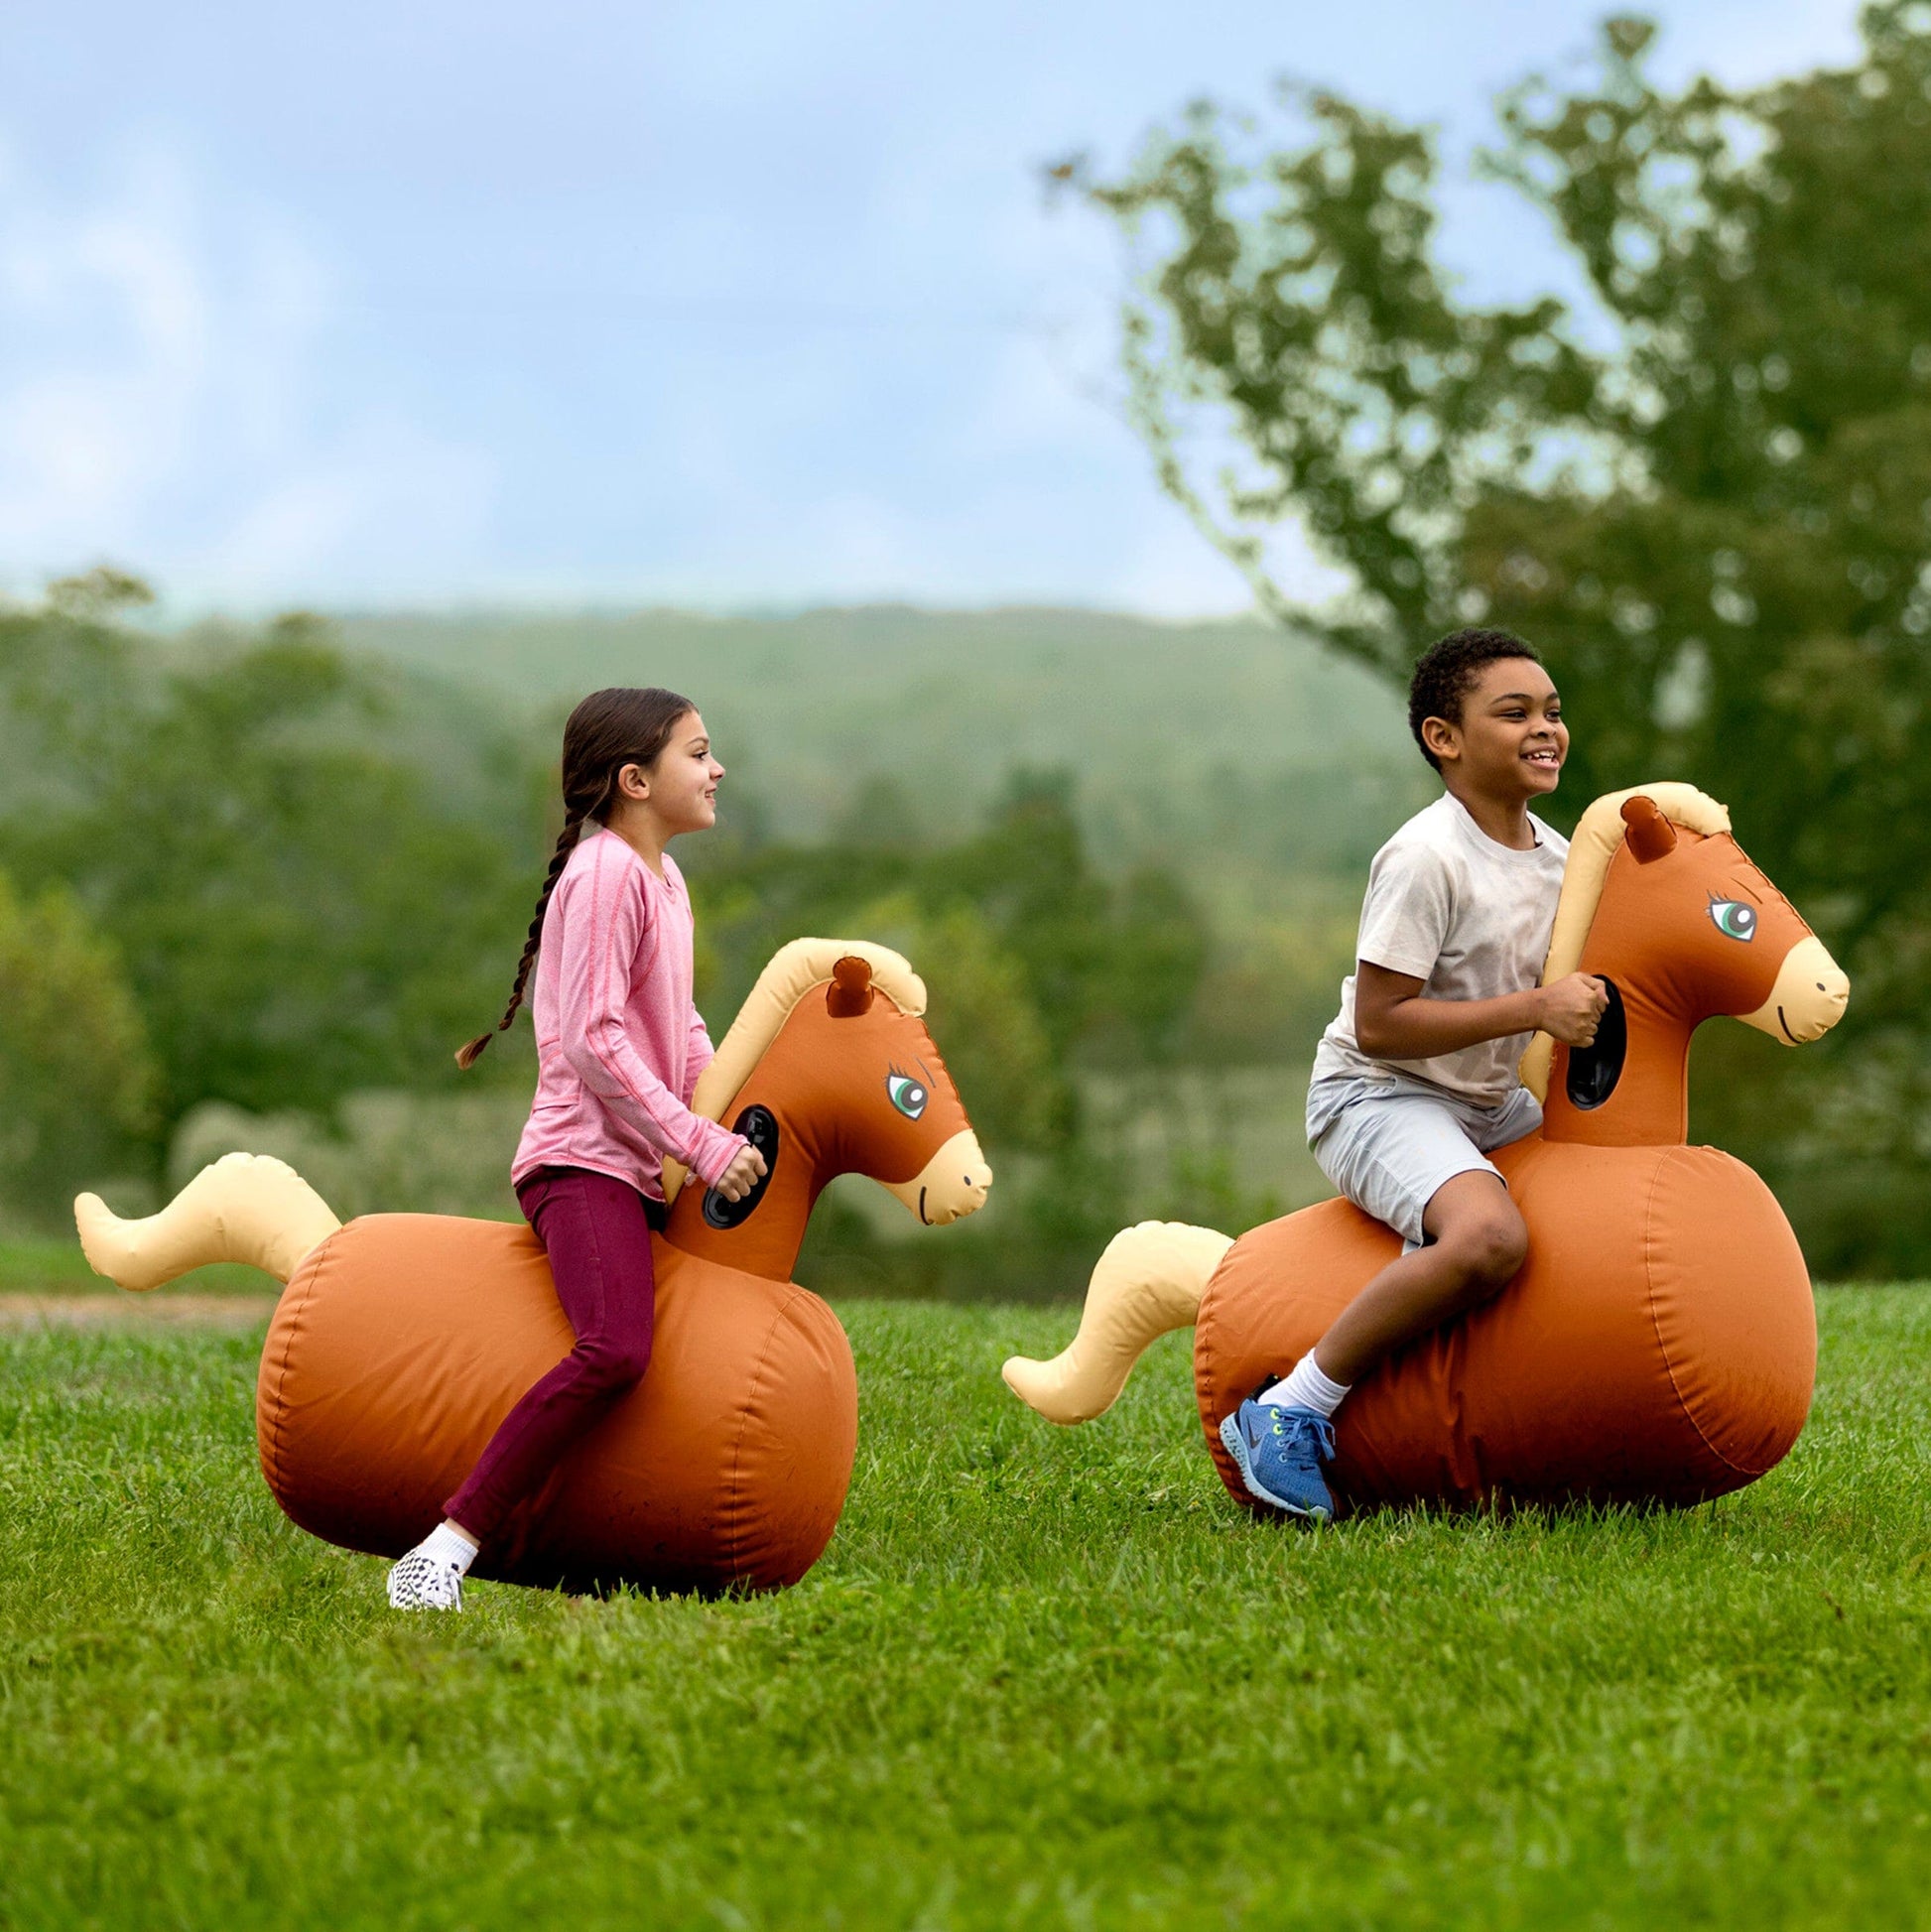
594,1231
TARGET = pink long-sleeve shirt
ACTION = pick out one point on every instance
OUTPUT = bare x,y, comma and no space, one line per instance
620,1045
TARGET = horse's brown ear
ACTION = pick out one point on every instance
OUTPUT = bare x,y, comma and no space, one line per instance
1650,834
850,993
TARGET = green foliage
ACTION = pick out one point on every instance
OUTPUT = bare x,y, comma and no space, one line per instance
1205,1192
74,1069
1099,960
298,916
1029,873
441,1152
1709,502
1042,1678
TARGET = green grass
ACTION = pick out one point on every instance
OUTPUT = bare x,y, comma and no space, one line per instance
1042,1676
54,1267
38,1266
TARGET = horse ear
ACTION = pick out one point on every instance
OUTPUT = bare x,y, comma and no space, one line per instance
850,993
1650,834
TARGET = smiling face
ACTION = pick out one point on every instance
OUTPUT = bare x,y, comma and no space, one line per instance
678,788
1509,743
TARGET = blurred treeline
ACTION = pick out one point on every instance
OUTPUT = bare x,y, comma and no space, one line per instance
259,883
255,884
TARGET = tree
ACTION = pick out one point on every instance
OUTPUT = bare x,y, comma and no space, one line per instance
1096,959
76,1076
1709,503
297,917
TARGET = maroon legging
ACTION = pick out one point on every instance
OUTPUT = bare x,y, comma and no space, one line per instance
596,1232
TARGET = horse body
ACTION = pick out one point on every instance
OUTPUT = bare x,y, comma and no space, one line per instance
1659,1343
402,1341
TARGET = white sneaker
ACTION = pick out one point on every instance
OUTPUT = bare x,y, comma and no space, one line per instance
422,1580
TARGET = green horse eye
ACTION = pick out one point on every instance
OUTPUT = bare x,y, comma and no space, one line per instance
906,1095
1734,920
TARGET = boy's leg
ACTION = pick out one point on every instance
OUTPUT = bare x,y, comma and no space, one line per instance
1477,1243
1411,1161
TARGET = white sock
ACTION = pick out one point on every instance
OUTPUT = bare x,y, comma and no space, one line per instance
1305,1387
445,1546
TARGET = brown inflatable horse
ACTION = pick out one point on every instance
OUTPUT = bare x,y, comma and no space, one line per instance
1660,1341
402,1341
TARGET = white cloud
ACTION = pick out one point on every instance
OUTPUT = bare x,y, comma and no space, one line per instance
374,507
111,327
160,407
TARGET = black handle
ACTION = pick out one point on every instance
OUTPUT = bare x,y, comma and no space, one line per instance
758,1125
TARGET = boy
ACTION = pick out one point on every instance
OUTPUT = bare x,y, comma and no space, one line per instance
1415,1082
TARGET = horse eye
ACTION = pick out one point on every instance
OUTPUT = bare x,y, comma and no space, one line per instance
906,1095
1734,920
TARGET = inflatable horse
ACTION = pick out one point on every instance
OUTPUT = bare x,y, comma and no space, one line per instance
402,1341
1660,1341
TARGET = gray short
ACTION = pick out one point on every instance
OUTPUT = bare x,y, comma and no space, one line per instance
1390,1144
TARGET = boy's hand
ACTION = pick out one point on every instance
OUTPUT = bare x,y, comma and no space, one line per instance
742,1175
1571,1008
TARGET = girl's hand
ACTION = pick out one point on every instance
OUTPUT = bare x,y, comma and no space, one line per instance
742,1175
1571,1008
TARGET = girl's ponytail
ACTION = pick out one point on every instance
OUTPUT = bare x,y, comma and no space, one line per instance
467,1056
606,732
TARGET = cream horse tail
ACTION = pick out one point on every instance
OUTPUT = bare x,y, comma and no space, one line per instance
1149,1281
244,1207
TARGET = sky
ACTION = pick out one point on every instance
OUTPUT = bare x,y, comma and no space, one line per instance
726,305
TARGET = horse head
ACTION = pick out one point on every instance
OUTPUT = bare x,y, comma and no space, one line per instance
1661,903
1721,935
829,1068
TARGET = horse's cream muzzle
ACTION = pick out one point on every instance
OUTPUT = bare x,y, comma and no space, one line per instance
1809,998
951,1185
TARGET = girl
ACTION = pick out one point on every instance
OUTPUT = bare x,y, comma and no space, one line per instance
619,1050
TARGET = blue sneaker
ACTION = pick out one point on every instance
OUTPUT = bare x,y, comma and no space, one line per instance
1280,1451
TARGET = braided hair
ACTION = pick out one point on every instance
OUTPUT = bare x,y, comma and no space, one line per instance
606,732
1449,670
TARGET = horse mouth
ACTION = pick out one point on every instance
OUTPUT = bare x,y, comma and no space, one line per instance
921,1190
1787,1034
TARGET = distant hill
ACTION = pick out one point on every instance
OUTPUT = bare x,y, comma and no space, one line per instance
1182,737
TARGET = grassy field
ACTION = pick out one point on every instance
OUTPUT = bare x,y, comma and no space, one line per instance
1042,1676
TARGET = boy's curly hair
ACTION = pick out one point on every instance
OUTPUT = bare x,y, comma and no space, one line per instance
1447,672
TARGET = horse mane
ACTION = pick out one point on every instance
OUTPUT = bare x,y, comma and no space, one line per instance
795,971
1598,834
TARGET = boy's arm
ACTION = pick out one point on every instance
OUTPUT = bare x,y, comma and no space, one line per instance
1394,1023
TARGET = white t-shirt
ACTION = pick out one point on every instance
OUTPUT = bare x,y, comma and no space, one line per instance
1469,919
